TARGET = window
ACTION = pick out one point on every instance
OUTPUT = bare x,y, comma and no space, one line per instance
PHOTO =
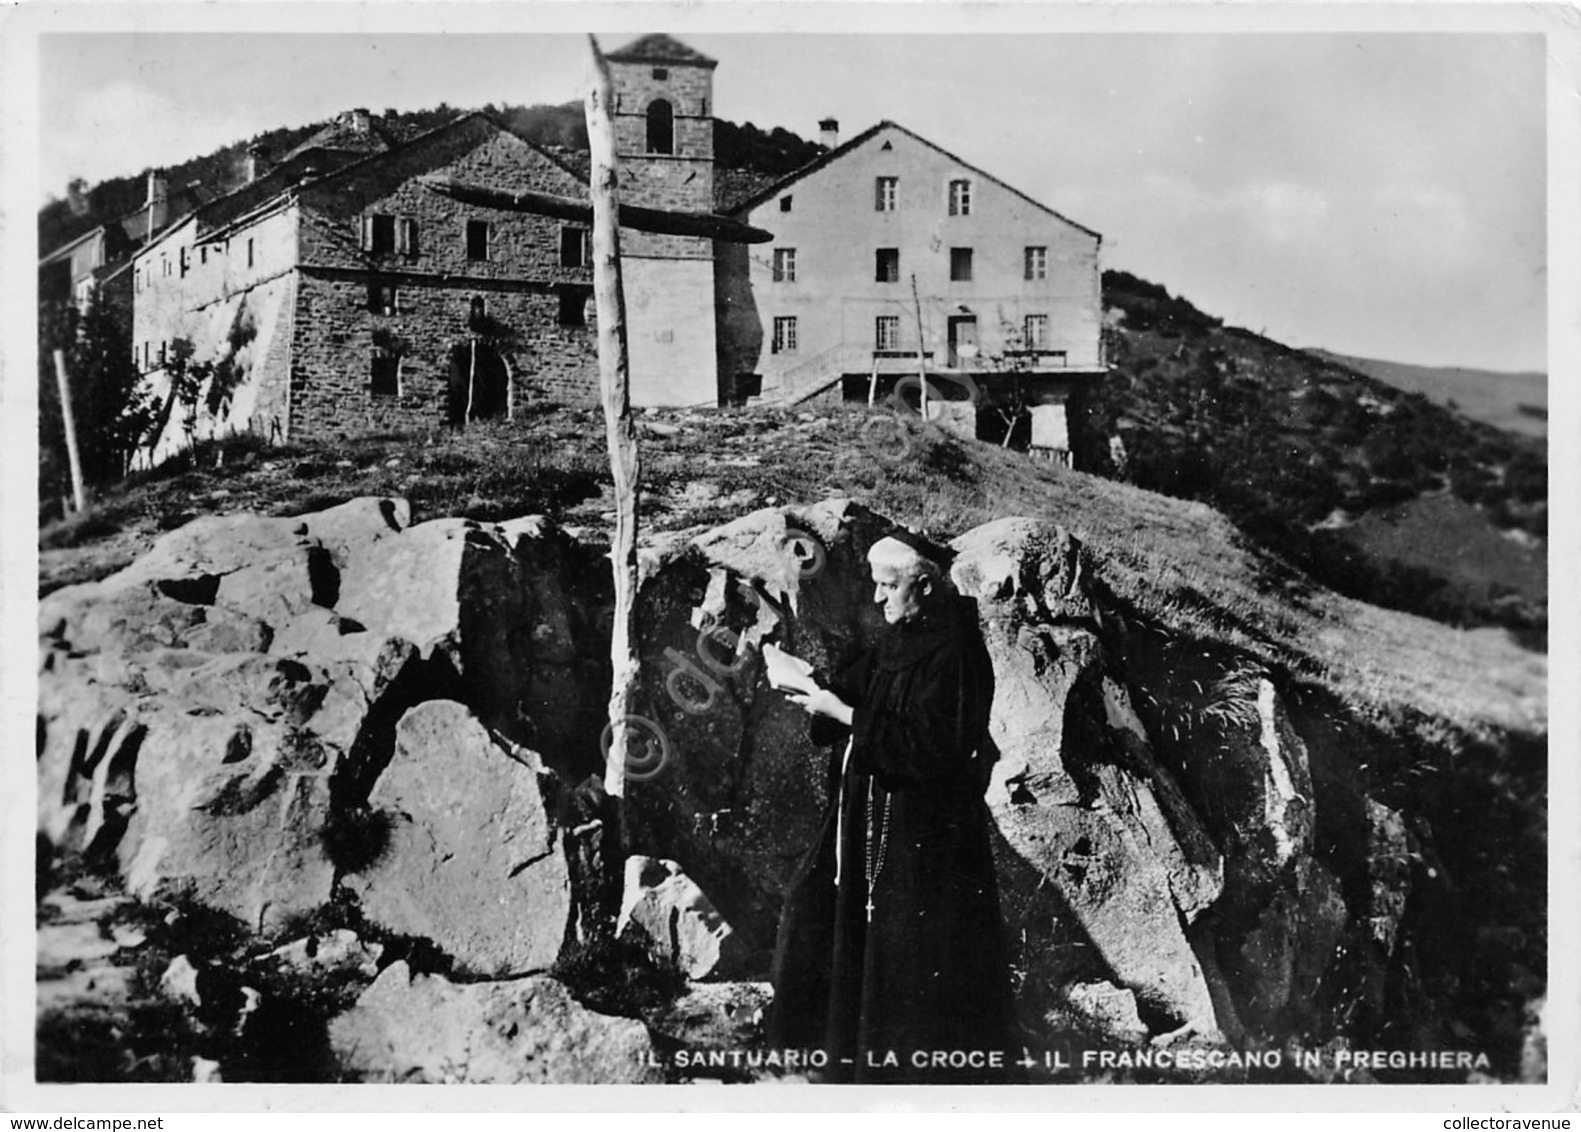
163,352
203,254
1036,336
477,239
164,265
137,280
661,73
885,192
249,251
784,335
960,198
381,296
1037,263
661,127
378,234
576,247
184,262
385,379
785,203
960,265
886,267
573,306
406,237
886,332
784,265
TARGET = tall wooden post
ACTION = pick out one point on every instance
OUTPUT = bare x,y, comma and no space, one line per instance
472,379
79,490
922,367
619,431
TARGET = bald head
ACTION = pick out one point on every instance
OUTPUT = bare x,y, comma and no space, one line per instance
905,581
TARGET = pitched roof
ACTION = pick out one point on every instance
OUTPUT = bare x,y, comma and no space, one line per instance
733,186
289,175
840,151
661,49
63,252
344,135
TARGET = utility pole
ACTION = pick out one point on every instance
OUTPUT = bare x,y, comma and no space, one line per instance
620,432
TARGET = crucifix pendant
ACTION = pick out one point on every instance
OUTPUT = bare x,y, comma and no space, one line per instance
870,908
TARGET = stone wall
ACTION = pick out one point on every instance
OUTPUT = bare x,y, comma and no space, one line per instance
532,301
474,151
324,302
337,336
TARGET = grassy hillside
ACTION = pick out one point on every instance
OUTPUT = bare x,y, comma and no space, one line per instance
1375,491
1176,564
1514,402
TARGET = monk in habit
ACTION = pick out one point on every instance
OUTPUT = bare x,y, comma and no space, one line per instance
890,954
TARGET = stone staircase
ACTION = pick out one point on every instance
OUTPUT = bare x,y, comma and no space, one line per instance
812,376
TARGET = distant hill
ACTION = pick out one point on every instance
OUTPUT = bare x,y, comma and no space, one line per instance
1516,402
1375,491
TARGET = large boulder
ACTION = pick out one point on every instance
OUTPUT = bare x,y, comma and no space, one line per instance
412,1028
500,616
473,861
205,773
1080,802
665,910
211,715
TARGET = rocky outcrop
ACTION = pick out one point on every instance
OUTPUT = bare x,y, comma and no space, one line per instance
413,1028
472,861
1079,799
1090,824
664,909
272,715
213,718
736,793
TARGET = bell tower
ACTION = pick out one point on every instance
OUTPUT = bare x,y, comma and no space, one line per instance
664,149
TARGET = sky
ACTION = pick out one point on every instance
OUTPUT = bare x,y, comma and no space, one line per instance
1381,194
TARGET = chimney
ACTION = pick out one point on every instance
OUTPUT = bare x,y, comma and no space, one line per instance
257,162
829,133
77,196
359,120
158,205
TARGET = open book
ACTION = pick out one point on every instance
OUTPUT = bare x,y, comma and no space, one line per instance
788,673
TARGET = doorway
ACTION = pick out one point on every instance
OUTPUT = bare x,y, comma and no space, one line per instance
962,340
479,383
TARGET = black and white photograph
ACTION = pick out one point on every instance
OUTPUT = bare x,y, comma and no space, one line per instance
832,550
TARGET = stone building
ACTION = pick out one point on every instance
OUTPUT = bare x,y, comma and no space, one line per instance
357,300
336,293
892,255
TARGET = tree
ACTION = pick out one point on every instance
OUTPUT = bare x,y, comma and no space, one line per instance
187,379
108,398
